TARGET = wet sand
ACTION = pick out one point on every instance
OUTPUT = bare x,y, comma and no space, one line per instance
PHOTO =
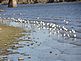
8,35
43,42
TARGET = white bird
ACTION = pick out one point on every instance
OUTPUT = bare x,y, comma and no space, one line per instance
37,22
64,34
48,24
60,29
50,33
70,31
34,22
66,22
73,31
20,14
47,28
74,35
39,28
43,23
13,18
68,35
57,25
8,18
50,28
24,21
53,25
54,29
38,17
44,27
64,28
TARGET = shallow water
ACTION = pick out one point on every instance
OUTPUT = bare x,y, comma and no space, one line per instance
51,40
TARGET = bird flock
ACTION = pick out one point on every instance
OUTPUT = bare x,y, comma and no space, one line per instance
52,27
44,25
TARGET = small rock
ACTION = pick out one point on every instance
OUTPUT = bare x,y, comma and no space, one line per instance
28,45
37,38
20,59
38,44
5,58
1,10
32,43
0,29
29,57
55,54
35,41
5,44
50,51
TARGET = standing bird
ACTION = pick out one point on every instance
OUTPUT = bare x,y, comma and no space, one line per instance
73,31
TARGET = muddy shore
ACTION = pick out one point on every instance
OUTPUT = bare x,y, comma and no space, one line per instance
8,35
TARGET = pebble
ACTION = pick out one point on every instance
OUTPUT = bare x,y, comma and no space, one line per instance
55,54
29,57
32,43
1,10
38,44
35,41
37,38
5,44
28,45
20,59
0,29
50,51
5,58
15,42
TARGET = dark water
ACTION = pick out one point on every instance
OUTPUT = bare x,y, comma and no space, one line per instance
48,45
46,11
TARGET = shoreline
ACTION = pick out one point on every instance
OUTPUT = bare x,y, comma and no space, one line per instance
9,35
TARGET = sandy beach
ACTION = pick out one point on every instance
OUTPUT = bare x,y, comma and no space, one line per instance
8,35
